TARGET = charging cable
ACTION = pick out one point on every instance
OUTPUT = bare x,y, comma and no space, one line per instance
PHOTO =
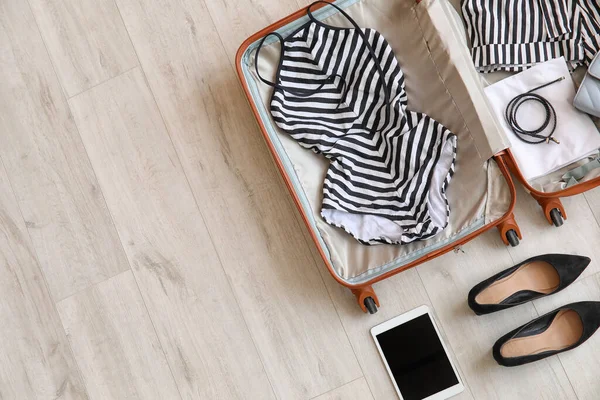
533,136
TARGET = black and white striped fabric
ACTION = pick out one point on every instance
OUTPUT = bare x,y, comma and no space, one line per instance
512,35
340,92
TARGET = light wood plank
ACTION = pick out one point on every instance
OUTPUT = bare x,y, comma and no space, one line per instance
182,282
580,233
355,390
593,199
236,20
35,359
241,196
448,280
86,40
583,363
55,186
115,344
304,3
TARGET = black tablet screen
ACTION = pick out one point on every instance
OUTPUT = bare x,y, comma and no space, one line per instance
417,359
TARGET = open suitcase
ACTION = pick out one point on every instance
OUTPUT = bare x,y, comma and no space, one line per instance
441,81
548,189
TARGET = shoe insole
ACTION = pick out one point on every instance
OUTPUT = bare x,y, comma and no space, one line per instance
538,276
564,331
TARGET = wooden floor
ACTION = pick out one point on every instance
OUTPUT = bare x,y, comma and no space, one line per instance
149,249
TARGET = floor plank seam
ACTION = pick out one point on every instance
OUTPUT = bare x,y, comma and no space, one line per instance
596,217
93,285
37,27
162,347
341,386
105,81
41,272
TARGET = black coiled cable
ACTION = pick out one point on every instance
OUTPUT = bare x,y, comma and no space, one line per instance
534,136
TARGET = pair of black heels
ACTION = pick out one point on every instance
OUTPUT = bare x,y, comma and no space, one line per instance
555,332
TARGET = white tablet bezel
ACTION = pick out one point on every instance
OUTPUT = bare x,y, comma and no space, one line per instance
401,319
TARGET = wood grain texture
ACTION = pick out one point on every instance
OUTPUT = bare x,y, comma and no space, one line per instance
583,363
242,198
189,299
227,297
236,20
448,280
355,390
86,39
35,359
580,233
593,199
56,189
115,344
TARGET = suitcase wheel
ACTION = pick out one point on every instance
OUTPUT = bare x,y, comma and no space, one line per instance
371,306
556,216
512,238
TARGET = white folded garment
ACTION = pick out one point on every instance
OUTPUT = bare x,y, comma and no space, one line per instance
575,130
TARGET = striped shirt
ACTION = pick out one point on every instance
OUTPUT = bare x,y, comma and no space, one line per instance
512,35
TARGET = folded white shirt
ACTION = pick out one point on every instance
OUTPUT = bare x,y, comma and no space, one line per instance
575,130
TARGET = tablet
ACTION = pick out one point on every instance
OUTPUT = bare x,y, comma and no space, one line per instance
416,358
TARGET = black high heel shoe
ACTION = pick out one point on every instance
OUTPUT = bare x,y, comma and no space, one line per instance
533,278
558,331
